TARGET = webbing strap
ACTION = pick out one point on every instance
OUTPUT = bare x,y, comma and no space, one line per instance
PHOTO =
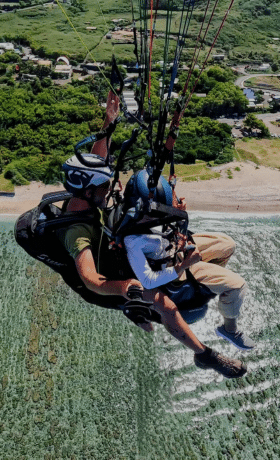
94,138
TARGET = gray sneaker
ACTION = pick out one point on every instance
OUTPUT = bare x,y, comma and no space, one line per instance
238,339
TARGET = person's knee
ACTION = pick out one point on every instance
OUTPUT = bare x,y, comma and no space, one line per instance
228,243
162,303
243,290
231,245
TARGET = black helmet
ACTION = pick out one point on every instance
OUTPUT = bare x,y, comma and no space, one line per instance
78,177
137,187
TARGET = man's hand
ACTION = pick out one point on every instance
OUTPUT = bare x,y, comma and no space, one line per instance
182,205
112,108
126,284
193,256
112,112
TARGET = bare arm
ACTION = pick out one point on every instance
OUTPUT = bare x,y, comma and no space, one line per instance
112,111
98,283
172,320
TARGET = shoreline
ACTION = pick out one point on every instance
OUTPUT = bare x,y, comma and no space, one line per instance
10,219
252,190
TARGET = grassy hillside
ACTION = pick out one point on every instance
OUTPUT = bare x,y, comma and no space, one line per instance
260,151
195,172
247,34
57,36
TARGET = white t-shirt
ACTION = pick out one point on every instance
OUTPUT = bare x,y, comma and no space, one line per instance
138,248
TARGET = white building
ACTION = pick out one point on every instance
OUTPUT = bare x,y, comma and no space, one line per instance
218,57
44,62
132,105
264,67
7,46
172,96
33,58
64,69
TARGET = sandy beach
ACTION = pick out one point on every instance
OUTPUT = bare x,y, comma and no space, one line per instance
251,190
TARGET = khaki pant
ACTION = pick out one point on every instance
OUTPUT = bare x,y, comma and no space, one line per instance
216,249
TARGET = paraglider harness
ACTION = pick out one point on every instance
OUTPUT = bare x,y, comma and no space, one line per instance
35,232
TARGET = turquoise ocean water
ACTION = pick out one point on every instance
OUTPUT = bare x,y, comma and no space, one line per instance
79,382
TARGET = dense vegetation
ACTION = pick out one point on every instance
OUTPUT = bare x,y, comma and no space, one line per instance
39,127
204,139
40,123
252,122
222,96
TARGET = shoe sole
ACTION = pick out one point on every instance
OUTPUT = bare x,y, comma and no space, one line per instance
233,343
201,366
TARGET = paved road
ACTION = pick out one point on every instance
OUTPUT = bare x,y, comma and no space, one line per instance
267,118
240,80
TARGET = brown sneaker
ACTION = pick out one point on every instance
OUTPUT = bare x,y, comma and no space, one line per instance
211,359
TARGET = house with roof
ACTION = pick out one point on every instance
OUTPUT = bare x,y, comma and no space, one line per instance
6,46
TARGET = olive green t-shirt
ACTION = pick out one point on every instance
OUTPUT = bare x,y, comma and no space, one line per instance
80,236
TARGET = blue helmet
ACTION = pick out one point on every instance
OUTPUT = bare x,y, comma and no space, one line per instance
137,187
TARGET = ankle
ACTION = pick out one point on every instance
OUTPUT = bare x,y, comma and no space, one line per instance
205,352
230,324
200,350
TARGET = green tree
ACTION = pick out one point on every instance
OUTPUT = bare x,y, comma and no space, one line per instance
259,96
203,139
275,105
78,6
252,122
9,57
222,96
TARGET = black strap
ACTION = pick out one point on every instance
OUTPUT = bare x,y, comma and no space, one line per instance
136,309
116,78
91,140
